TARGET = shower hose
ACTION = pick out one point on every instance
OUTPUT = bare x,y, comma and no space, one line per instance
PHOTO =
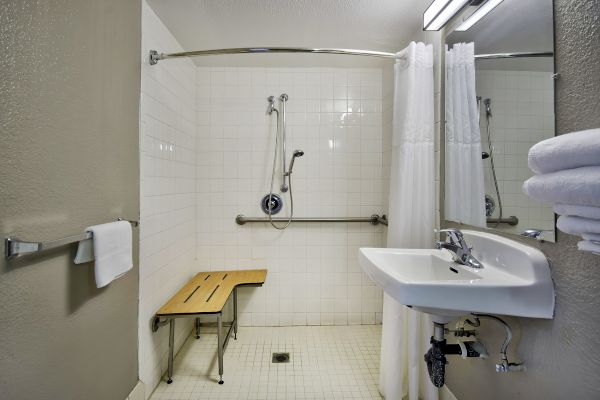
269,208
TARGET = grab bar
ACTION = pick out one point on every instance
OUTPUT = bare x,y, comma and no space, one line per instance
374,219
512,220
15,247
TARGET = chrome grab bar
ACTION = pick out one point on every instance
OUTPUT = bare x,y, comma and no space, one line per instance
374,219
512,220
15,247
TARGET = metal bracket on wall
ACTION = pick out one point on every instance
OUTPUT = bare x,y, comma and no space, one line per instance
157,323
154,57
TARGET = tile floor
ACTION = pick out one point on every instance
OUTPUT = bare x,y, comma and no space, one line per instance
327,362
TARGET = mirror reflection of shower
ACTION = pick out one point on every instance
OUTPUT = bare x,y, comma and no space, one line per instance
490,154
272,202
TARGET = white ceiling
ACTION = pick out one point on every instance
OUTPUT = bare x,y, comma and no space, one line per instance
380,25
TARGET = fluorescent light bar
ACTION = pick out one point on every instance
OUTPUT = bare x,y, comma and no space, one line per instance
440,12
477,15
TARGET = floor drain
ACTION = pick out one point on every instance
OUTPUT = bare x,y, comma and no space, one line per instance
281,357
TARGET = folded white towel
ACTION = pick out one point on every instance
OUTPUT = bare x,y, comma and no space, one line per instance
595,237
586,245
570,186
572,150
112,247
577,225
577,210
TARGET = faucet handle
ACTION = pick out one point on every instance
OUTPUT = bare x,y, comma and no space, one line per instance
455,235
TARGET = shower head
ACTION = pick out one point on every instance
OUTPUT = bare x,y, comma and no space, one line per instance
488,106
297,153
271,106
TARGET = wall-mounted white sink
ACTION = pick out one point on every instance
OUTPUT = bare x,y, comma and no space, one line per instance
515,278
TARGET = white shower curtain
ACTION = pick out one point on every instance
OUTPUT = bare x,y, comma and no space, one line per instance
465,196
406,333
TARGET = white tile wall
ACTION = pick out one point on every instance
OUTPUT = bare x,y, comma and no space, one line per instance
335,116
523,114
167,233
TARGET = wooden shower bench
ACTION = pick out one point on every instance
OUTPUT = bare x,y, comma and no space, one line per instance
206,293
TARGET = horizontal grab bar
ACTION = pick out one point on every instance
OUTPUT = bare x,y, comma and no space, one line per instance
374,219
15,247
512,220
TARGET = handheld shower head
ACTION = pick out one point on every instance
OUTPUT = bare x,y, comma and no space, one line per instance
488,107
297,153
271,106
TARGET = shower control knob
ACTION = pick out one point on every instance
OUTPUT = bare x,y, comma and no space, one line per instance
271,203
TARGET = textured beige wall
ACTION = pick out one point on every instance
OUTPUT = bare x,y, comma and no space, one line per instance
69,95
562,355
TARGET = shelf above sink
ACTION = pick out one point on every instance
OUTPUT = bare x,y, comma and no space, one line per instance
515,278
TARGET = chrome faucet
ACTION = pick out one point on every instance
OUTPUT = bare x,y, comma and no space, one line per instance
533,233
456,244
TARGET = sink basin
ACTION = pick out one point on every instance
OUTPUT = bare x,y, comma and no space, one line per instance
515,278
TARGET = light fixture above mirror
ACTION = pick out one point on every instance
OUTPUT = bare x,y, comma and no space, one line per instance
477,15
440,12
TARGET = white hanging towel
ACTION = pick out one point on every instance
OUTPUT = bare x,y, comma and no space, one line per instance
577,210
587,245
569,186
573,150
111,249
577,225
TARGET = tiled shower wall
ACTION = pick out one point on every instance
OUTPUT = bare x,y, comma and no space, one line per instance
167,204
522,115
335,116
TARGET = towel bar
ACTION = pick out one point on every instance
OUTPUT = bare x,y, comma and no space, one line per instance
15,247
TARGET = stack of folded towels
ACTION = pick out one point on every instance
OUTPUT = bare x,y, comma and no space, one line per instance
567,171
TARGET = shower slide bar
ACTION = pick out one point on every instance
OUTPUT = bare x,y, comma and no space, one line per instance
374,219
15,247
155,56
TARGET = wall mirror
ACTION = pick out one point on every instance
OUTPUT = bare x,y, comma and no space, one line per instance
498,101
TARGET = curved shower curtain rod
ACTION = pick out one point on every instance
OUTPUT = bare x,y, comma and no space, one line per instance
155,56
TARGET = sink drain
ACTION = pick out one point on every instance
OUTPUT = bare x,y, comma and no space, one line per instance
281,357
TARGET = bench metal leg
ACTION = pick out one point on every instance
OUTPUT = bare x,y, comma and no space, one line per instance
220,344
235,320
197,328
171,348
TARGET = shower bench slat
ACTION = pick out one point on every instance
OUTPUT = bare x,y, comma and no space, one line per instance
207,293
